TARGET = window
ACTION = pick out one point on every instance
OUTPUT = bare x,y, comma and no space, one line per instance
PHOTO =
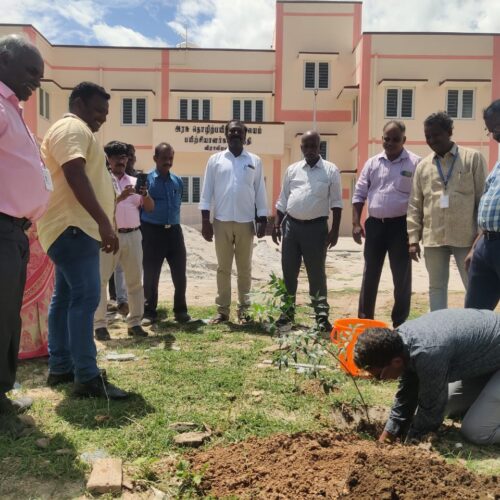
460,103
355,104
399,103
248,110
191,189
194,109
134,111
316,75
323,150
44,104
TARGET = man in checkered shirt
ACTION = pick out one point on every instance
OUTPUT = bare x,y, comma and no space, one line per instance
483,291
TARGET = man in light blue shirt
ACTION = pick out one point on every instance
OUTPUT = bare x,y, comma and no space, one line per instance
484,272
162,237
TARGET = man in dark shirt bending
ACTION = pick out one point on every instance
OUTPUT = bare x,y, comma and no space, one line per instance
448,363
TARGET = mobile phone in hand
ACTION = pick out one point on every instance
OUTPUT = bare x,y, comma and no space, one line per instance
141,182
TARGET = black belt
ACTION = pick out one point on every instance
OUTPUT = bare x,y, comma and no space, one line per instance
21,222
161,226
390,219
308,221
491,235
128,229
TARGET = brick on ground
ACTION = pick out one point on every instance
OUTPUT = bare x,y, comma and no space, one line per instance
106,476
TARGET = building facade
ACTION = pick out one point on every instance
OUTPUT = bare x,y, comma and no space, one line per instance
323,72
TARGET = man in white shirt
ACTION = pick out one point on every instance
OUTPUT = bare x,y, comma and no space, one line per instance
234,184
311,187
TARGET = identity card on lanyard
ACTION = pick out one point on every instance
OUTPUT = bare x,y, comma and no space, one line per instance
444,201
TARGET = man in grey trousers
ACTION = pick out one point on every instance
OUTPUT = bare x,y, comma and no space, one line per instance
311,188
448,363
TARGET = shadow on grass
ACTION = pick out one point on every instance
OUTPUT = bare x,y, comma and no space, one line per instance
93,413
33,464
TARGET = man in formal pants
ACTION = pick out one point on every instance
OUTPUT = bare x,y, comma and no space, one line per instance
162,237
385,182
129,255
234,183
24,194
311,188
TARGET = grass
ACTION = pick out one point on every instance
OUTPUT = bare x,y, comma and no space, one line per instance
207,375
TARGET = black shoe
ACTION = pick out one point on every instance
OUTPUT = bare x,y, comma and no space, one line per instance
137,331
14,406
183,317
284,322
98,387
60,378
102,334
123,308
324,329
149,319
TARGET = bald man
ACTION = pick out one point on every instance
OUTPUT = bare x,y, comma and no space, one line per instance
311,188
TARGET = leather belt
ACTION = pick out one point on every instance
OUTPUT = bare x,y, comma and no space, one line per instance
21,222
128,229
491,235
308,221
390,219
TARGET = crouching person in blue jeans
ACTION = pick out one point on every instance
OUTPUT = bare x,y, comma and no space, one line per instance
448,364
77,224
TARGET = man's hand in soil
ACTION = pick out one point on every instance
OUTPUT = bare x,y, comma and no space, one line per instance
414,250
386,437
207,230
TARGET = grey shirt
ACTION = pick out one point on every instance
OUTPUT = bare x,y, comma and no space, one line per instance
441,347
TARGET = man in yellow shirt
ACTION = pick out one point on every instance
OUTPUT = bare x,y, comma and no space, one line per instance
78,222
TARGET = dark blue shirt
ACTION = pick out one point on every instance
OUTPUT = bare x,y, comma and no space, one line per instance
167,195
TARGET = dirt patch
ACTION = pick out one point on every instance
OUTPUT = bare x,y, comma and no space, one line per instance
353,418
331,465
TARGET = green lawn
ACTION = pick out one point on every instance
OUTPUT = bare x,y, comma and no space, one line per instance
207,375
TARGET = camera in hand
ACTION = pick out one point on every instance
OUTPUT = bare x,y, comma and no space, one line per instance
142,180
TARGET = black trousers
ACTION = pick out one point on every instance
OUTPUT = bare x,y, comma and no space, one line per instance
386,236
158,244
14,255
306,242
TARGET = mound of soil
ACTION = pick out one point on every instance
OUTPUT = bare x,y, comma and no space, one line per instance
330,465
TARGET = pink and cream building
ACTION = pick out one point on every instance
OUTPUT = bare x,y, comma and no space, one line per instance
323,71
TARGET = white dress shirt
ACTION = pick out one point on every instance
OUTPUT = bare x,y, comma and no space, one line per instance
235,185
310,192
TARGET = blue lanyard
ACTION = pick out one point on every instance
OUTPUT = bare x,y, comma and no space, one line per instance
450,171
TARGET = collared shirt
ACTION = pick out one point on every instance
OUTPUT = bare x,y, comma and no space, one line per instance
310,192
22,190
127,210
235,185
386,184
442,347
167,195
488,217
67,139
457,224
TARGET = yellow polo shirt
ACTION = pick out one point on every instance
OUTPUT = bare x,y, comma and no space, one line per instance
67,139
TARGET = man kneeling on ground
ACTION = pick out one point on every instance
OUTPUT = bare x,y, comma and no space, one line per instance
448,364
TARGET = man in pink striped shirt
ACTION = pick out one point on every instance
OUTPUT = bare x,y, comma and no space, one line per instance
25,187
128,206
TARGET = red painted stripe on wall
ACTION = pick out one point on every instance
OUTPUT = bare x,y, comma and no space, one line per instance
165,82
278,63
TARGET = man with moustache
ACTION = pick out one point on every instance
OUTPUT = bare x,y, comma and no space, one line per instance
77,224
162,237
129,255
234,183
442,210
385,182
311,188
24,194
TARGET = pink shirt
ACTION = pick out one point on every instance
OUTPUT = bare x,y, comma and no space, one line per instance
127,211
22,187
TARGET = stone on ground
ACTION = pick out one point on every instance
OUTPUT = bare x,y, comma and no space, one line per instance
106,476
193,439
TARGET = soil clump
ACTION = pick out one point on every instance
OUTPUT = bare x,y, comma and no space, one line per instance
331,465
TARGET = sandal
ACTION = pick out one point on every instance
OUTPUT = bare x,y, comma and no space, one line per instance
244,318
218,319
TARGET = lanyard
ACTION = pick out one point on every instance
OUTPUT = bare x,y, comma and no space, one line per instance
450,171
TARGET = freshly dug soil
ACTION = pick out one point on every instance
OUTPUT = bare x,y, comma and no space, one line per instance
331,465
